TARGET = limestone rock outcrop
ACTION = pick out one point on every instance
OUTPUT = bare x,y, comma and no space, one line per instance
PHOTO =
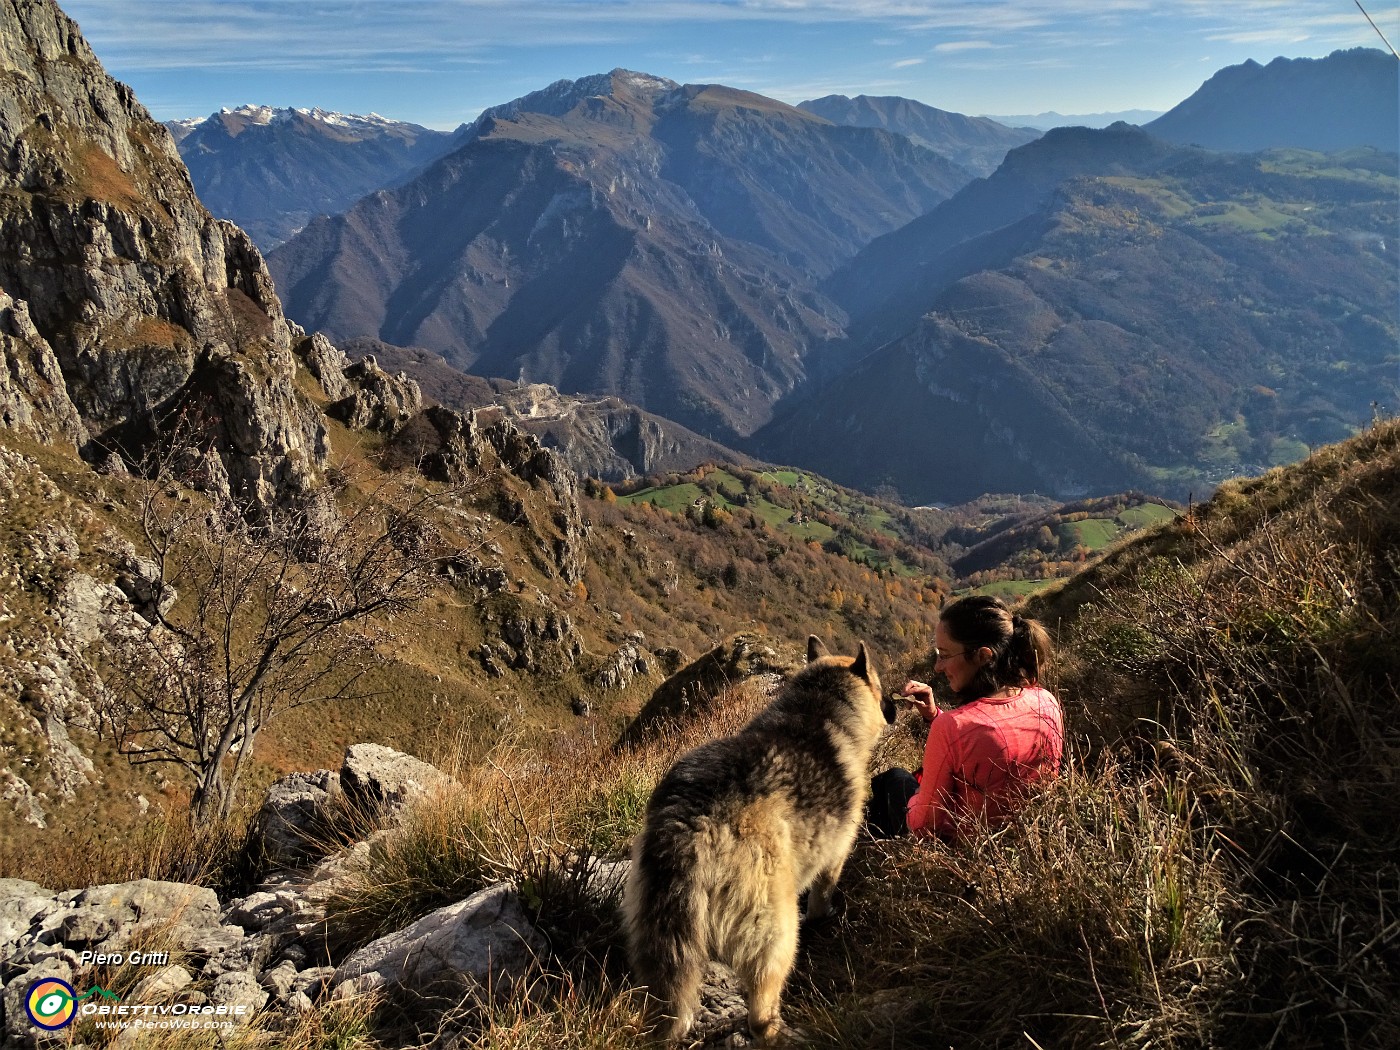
459,448
745,658
125,303
377,400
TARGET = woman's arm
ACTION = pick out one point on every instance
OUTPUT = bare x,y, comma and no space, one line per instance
928,809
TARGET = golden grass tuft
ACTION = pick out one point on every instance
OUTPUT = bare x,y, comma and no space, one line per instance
165,847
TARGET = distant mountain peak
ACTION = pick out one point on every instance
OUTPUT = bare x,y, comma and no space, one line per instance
561,96
263,115
1345,100
977,143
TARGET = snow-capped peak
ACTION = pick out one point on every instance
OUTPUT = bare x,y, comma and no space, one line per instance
272,115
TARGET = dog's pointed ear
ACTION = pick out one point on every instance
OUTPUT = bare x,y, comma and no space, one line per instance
861,667
815,649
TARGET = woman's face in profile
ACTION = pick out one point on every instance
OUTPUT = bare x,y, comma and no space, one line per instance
956,662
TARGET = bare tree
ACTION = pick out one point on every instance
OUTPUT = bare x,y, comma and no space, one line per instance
267,615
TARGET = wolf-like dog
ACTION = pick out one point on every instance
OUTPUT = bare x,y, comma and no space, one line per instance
738,828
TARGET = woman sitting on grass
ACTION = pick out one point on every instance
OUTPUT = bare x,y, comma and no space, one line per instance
982,757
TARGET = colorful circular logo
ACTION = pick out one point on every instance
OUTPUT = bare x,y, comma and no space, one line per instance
51,1003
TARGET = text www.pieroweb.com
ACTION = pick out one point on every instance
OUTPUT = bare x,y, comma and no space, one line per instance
168,1016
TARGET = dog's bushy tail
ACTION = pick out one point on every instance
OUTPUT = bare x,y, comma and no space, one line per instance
667,918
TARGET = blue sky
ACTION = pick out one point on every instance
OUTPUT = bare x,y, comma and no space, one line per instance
440,62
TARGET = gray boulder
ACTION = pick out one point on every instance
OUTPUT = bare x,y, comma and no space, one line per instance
278,980
722,1019
245,954
21,888
151,901
161,985
19,914
239,989
292,821
485,941
262,909
383,781
313,981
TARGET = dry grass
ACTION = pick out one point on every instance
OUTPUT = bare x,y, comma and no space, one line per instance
560,1011
1251,657
531,814
1097,920
164,847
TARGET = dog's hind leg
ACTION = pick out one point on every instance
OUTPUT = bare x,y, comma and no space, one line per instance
671,1010
666,920
763,967
820,894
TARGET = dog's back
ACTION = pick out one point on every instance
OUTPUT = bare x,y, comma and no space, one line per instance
739,827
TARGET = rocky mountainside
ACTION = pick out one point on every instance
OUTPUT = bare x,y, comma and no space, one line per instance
129,317
273,170
890,283
621,235
124,300
979,144
1348,99
1108,311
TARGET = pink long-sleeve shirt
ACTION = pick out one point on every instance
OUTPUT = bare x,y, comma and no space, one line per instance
981,757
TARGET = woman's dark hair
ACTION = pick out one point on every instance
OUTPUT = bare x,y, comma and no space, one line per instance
1020,646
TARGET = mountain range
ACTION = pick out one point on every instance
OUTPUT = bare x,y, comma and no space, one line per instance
273,170
1050,119
1246,281
622,234
1110,311
743,268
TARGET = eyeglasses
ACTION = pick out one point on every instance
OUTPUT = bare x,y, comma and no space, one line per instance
939,656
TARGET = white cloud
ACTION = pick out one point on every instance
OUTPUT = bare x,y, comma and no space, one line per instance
968,45
166,34
904,63
1279,37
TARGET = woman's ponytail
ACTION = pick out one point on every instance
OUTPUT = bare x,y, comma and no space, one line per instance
1028,650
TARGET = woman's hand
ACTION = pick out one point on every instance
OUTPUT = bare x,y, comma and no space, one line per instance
919,695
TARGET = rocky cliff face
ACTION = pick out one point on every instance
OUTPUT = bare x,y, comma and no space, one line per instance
127,310
598,437
606,437
115,273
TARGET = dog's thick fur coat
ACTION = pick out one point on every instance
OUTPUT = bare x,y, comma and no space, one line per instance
738,828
